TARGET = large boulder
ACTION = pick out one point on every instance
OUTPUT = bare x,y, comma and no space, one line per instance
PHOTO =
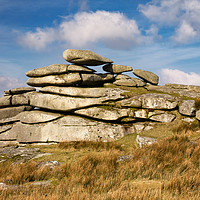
69,128
62,80
84,57
187,107
85,92
147,76
116,69
158,101
56,69
96,79
64,103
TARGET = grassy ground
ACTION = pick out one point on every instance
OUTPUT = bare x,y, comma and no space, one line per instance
168,169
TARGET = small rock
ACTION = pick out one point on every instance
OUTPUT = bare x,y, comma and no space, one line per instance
141,141
96,79
165,117
187,107
125,158
188,120
116,69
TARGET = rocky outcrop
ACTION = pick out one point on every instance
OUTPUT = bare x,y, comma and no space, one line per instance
76,103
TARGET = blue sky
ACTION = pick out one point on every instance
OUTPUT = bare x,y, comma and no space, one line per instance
162,36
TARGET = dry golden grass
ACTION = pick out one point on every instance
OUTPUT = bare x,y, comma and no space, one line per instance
168,169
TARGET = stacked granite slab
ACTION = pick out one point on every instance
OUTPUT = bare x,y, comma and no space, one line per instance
73,103
14,102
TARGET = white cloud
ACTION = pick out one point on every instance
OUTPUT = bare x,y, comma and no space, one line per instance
39,39
185,34
182,15
112,29
179,77
7,83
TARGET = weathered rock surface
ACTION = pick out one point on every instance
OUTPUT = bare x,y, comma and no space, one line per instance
133,102
164,118
105,114
5,128
63,103
96,79
141,140
37,116
146,76
125,80
116,69
194,88
141,114
20,99
56,69
5,101
158,101
84,57
183,92
13,111
85,92
70,128
9,120
62,80
198,114
9,134
187,107
19,90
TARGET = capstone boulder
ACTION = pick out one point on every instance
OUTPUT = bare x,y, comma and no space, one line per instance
84,57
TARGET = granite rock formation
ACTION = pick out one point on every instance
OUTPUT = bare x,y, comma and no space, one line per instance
76,103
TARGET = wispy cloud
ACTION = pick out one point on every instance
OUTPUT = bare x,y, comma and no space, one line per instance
179,77
112,29
182,15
